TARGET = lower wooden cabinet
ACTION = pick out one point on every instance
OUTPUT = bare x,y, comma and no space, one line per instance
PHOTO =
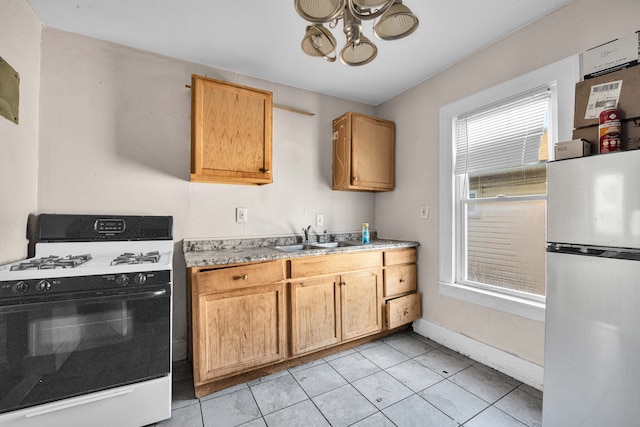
238,320
315,314
246,319
328,310
402,301
360,296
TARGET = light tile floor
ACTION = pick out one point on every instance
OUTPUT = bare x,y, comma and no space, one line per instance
401,380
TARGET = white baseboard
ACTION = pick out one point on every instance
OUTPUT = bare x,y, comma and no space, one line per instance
522,370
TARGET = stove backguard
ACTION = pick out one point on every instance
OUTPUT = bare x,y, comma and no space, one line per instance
96,228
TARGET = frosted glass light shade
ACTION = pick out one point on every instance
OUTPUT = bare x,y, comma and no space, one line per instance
319,11
359,54
318,41
395,23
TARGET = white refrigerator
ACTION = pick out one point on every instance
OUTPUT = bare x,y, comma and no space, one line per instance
592,329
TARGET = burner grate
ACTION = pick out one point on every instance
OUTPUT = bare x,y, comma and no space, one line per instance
140,258
52,262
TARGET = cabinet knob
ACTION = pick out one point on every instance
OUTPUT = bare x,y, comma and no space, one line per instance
343,283
405,312
243,277
402,280
265,170
355,178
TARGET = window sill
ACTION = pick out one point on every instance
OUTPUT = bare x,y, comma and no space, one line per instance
509,304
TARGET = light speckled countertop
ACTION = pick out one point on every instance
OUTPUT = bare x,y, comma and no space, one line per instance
206,252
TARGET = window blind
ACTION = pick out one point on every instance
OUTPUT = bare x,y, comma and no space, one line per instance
503,136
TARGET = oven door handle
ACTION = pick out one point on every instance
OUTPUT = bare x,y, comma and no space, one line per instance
79,401
34,302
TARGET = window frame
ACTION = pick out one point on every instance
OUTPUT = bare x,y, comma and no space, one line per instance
562,77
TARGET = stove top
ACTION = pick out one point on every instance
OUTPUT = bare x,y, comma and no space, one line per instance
91,252
51,262
141,258
73,259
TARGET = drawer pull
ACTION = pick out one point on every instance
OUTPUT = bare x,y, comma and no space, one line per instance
243,277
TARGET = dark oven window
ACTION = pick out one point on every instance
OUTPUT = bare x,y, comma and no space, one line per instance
54,350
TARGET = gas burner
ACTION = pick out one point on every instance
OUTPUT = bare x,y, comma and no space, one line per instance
141,258
52,262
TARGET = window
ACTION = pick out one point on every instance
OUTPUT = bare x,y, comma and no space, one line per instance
494,146
500,206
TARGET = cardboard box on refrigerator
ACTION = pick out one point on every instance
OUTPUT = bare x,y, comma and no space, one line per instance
612,56
630,137
573,148
623,85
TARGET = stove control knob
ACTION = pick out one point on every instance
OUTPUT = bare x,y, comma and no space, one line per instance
20,287
139,279
44,285
122,280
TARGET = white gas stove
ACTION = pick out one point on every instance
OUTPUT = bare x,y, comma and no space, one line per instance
85,324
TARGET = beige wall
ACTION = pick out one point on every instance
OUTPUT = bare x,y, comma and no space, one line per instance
20,48
570,30
115,138
113,130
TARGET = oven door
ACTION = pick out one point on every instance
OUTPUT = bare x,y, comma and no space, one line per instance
55,349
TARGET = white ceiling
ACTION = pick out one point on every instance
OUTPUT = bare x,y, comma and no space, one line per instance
261,38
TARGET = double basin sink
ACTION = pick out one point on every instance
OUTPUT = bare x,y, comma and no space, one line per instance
308,246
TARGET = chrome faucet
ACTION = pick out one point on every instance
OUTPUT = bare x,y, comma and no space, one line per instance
306,234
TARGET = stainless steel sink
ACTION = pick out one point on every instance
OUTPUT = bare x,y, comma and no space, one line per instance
326,245
308,246
292,248
341,244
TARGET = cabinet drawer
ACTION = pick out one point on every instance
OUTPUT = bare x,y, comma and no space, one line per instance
399,279
401,256
335,264
223,279
403,310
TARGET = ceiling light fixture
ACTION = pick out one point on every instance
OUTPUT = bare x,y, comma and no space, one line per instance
396,21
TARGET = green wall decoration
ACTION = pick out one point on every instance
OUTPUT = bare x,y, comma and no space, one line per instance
9,91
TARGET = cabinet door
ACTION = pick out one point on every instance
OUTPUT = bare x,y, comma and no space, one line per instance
372,153
363,153
238,330
315,314
231,133
341,179
361,300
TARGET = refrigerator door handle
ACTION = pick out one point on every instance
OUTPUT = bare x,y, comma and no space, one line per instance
594,251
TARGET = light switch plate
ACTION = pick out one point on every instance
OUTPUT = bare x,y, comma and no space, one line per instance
242,214
424,212
319,220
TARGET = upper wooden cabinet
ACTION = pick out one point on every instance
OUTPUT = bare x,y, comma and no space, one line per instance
363,153
231,131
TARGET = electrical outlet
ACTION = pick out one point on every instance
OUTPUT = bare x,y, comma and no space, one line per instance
424,212
242,214
319,220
